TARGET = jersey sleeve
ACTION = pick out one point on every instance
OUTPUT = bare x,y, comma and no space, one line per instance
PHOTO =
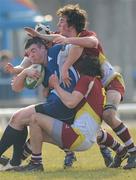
83,84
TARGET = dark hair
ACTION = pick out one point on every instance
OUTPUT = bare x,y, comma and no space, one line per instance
90,66
75,16
34,40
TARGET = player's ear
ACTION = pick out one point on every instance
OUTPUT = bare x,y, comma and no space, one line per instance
43,48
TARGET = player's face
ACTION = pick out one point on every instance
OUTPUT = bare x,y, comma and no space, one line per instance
63,27
36,54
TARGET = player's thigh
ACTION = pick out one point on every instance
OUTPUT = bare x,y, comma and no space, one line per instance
61,133
22,116
44,121
113,97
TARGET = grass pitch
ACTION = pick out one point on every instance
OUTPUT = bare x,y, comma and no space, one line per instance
89,166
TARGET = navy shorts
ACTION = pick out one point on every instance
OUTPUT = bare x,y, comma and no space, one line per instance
55,108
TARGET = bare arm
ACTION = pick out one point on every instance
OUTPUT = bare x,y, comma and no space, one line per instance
87,41
25,62
71,100
13,70
74,53
18,81
18,69
34,33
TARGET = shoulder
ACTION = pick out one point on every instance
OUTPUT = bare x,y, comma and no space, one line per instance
85,79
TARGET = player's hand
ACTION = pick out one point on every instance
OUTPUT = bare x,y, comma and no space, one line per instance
53,81
32,32
59,39
31,72
9,68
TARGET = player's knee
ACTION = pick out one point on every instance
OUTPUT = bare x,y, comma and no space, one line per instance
109,117
14,118
33,119
106,115
100,135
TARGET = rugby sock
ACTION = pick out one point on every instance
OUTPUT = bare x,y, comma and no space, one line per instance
123,133
26,150
107,140
8,138
36,158
18,147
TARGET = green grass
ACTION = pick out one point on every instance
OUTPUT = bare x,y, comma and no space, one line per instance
89,166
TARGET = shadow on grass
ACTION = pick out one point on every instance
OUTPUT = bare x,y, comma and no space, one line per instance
71,174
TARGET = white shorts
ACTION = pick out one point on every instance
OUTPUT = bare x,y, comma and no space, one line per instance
88,127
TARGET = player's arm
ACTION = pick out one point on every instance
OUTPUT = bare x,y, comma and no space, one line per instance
87,41
74,53
18,69
71,100
18,81
25,62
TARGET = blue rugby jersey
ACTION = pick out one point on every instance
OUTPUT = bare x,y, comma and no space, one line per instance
53,68
53,105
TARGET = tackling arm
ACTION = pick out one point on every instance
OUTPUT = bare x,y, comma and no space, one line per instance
86,42
71,100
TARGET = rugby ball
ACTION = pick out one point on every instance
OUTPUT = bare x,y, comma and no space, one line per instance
32,83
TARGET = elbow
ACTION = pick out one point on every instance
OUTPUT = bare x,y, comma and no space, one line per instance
16,89
71,104
93,43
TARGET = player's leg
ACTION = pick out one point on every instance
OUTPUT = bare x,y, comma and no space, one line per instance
54,108
21,119
37,136
105,139
104,150
15,134
110,117
69,159
59,133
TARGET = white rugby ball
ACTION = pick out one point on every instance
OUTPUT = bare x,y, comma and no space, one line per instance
32,83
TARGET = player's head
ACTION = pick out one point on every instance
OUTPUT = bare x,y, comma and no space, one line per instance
36,50
90,66
71,16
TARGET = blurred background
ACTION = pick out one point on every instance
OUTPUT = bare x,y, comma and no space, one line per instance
113,21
